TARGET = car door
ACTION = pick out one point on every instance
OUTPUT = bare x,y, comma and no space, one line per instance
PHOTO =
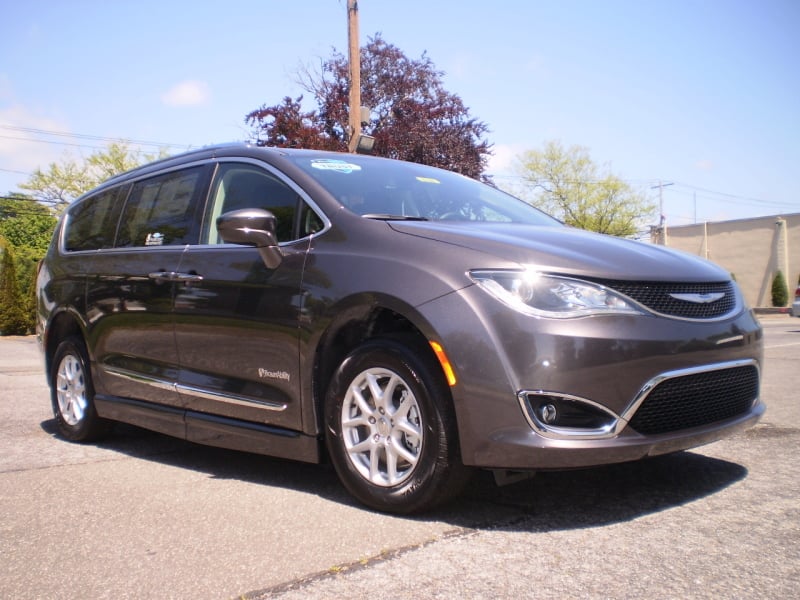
130,289
236,320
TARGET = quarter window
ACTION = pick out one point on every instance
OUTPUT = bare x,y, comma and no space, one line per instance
92,223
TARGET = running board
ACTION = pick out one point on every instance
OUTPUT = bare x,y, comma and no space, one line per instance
211,430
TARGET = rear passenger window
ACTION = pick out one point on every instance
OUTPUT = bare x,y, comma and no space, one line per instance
161,211
240,185
92,223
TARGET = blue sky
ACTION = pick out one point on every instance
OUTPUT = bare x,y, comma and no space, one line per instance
701,94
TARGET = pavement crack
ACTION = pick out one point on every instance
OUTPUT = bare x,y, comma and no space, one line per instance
357,565
384,556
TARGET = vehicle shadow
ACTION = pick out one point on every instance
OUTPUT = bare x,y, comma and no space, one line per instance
548,501
605,495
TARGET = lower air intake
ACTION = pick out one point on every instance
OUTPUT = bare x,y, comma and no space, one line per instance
696,400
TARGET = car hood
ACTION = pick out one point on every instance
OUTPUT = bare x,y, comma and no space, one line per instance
568,251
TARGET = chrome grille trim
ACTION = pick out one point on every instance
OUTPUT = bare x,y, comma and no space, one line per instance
629,413
668,299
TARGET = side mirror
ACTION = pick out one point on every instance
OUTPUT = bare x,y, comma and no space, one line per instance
252,227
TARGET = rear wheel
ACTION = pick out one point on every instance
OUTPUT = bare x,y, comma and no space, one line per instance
390,428
72,393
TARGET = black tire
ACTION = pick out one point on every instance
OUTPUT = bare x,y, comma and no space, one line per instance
396,453
72,393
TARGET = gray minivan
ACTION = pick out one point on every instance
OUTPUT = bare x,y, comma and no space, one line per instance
406,323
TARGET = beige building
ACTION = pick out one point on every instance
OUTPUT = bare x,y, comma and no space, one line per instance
753,250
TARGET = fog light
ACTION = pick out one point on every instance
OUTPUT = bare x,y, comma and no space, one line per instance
551,410
548,413
561,416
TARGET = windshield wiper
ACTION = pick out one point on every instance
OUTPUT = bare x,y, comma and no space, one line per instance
388,217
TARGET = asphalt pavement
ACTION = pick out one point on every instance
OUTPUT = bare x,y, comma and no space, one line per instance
141,515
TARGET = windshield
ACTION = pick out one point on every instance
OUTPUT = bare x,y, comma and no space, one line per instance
388,189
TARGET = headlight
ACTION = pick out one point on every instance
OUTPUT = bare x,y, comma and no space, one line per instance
551,296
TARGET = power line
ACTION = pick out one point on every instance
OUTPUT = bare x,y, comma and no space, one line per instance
71,144
74,144
744,200
737,197
84,136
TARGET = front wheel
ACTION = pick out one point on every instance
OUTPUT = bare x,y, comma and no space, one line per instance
72,393
390,428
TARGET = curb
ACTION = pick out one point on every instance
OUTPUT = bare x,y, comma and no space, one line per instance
772,310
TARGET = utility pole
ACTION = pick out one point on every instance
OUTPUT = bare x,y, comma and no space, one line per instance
355,74
662,222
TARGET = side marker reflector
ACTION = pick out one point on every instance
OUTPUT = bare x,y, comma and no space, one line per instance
445,362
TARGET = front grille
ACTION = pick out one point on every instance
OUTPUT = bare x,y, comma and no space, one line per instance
697,399
656,296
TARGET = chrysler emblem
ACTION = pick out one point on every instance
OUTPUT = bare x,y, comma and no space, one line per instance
699,298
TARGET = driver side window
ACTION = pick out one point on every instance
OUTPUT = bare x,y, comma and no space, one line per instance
239,185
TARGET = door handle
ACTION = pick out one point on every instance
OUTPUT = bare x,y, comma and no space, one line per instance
175,276
162,275
187,277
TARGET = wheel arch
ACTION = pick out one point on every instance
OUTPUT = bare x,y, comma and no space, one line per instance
361,320
61,326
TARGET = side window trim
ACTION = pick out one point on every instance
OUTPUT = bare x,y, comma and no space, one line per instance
202,201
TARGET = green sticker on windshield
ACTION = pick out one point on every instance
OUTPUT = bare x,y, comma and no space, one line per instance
332,164
428,180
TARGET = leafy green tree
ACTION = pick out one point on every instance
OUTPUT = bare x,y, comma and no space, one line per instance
780,292
26,223
61,182
567,184
412,116
115,159
13,319
25,228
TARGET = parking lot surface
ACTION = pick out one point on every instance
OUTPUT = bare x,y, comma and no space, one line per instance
145,516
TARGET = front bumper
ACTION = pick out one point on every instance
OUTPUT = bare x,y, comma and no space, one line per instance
611,363
520,448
